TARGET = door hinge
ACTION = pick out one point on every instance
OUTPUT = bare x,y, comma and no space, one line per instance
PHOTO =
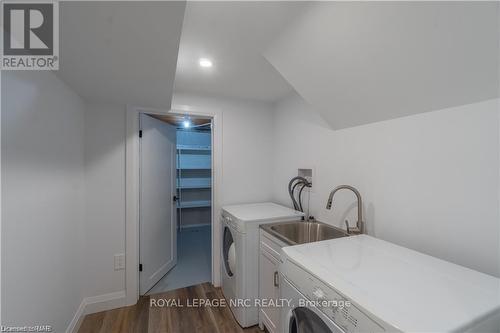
140,133
140,267
175,198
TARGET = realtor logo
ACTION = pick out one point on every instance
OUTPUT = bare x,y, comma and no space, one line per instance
30,37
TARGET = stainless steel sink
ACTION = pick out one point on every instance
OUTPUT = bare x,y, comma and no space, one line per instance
300,232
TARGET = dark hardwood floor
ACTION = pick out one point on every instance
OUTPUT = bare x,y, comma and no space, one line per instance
141,318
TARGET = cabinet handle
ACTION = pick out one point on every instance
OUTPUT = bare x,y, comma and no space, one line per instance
276,279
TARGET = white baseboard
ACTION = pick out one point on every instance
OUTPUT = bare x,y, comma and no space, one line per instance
105,302
95,304
75,323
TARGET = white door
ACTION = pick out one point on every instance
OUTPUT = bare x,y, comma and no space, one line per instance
158,232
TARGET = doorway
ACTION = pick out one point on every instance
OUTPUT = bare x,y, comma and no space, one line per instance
175,202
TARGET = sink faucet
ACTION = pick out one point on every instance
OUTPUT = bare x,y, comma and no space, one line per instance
359,228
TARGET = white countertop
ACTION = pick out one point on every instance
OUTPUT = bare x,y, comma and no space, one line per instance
409,290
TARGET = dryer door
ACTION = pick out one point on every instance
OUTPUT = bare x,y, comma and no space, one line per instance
299,319
229,252
304,320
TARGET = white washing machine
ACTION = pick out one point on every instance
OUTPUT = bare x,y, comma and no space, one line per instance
240,254
301,317
363,284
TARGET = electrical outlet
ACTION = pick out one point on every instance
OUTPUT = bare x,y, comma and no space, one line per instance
119,262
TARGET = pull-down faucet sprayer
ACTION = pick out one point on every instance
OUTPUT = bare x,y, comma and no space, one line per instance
359,228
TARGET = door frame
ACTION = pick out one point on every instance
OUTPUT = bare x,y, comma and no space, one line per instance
132,187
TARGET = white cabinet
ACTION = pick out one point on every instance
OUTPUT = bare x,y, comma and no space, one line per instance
269,259
269,289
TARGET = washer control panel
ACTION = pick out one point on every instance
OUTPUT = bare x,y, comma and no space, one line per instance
338,308
319,294
230,221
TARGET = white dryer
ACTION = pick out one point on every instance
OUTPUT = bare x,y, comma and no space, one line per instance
240,254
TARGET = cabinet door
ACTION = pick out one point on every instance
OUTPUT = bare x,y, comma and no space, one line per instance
269,287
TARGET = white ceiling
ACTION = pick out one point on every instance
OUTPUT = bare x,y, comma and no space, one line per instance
121,52
361,62
234,35
355,62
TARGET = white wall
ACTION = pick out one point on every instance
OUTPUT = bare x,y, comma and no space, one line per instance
42,199
429,181
246,146
105,197
63,174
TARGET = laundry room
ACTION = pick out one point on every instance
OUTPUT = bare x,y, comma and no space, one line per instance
250,166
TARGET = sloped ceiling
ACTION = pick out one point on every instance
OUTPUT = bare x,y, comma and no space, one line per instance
121,52
361,62
233,34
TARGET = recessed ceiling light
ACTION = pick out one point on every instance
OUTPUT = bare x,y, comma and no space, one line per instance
204,62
